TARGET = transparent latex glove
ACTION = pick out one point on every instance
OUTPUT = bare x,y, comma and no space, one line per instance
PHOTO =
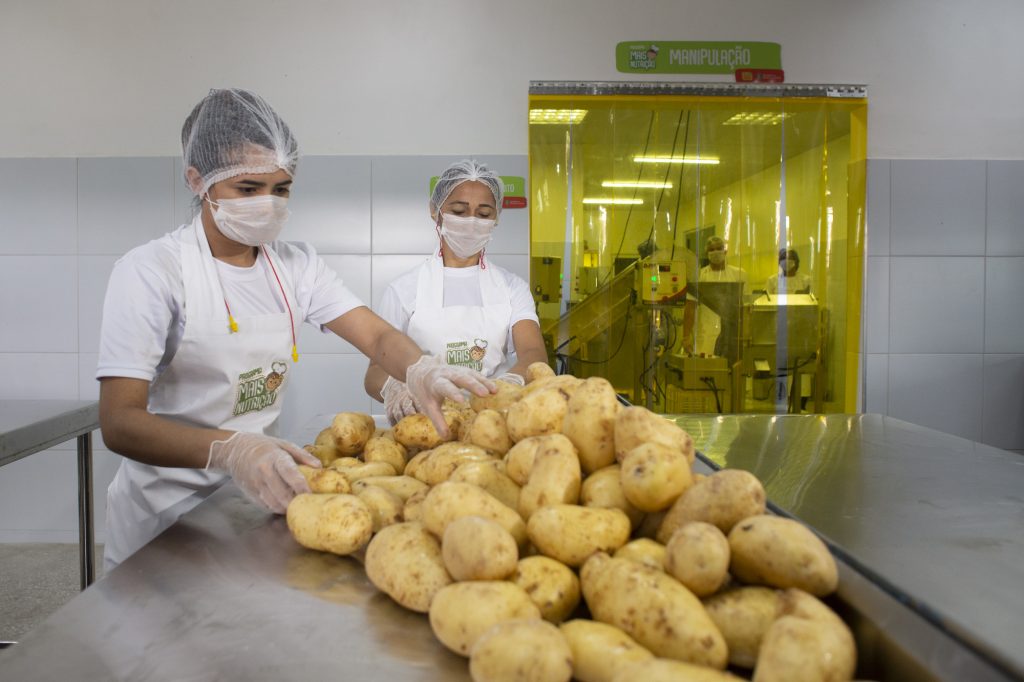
398,401
512,378
263,467
430,381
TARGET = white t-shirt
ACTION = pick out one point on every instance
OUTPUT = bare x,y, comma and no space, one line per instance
461,287
729,273
144,316
780,284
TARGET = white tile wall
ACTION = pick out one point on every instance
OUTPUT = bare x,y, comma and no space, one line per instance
354,271
93,275
876,318
936,305
39,303
878,208
1005,208
39,376
876,396
330,204
1004,304
1003,409
123,203
943,392
38,196
938,208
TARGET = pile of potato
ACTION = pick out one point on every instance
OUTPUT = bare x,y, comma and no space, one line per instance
560,535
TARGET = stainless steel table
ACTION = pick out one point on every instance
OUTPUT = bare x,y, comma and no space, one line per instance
227,594
28,426
937,519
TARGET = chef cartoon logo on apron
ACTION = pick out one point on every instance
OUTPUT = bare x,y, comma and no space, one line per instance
462,354
257,389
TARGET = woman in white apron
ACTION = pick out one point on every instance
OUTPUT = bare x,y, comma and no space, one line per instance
199,333
458,305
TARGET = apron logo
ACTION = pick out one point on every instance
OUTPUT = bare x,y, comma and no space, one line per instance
462,354
257,390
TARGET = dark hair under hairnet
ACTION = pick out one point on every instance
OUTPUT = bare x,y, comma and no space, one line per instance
235,132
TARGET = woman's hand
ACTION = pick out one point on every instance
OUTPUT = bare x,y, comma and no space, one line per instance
263,467
430,381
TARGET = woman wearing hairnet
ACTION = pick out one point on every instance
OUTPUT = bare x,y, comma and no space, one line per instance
198,334
458,305
788,281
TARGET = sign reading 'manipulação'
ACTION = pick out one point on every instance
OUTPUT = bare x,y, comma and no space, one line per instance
676,56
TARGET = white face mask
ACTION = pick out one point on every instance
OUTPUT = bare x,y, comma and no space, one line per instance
466,236
716,257
250,220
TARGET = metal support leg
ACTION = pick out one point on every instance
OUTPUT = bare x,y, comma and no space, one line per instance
85,536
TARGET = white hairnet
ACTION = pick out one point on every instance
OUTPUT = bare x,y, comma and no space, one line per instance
464,171
235,132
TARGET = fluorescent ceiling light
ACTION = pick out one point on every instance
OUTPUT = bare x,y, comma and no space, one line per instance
611,200
677,159
556,116
639,185
755,118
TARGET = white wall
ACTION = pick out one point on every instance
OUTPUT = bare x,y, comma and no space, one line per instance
117,77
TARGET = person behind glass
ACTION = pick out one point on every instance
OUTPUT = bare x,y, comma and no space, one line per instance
197,342
718,270
788,281
456,304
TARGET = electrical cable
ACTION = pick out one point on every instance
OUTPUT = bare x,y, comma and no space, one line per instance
710,382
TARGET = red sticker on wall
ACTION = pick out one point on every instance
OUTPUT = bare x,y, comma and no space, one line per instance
513,202
759,76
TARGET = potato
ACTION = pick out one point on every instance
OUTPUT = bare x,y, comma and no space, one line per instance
564,382
570,533
436,465
590,423
795,649
488,430
475,548
722,499
830,655
743,615
490,477
552,586
521,651
654,476
652,608
603,488
499,402
324,480
599,650
649,525
519,458
326,438
365,470
413,509
668,670
450,500
325,453
385,507
347,462
537,414
538,370
403,486
779,552
644,551
554,477
637,425
461,612
416,432
379,449
351,430
340,524
404,561
697,555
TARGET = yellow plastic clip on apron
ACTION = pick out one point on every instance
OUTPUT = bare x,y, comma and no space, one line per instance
471,336
217,379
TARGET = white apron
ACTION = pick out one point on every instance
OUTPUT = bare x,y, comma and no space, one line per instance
470,336
217,379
